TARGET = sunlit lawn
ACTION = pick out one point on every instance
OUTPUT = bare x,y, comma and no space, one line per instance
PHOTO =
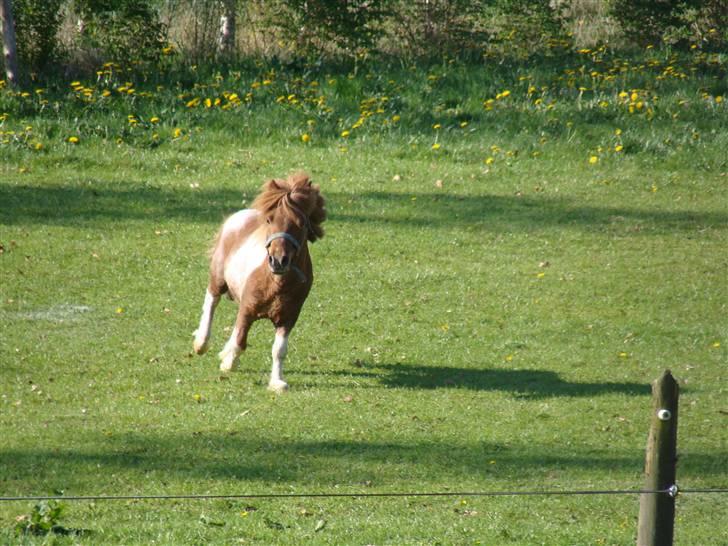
499,283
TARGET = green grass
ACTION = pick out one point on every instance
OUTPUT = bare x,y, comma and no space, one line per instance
473,326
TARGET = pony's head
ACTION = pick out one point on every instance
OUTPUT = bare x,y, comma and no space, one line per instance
293,210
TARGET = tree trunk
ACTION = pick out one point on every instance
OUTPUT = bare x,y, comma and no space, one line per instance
10,52
226,39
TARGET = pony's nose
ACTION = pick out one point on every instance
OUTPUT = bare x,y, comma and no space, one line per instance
279,264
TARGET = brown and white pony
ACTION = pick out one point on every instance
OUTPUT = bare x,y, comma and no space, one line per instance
260,259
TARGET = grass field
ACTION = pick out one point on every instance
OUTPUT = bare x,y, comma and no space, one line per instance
513,253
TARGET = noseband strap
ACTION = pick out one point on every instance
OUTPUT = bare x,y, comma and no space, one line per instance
283,235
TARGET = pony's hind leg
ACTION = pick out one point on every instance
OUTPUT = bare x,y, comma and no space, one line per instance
280,348
202,334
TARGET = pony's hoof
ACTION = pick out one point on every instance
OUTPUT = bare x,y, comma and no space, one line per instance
228,360
200,347
277,386
200,344
228,366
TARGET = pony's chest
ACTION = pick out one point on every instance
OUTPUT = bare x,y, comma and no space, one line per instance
272,300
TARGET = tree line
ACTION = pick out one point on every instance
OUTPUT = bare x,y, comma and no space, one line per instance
40,36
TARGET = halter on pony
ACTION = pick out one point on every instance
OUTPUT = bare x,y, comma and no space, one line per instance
291,239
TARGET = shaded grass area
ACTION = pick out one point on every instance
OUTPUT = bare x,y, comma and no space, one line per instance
94,202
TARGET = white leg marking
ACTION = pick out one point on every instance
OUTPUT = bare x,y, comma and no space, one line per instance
230,353
280,348
202,334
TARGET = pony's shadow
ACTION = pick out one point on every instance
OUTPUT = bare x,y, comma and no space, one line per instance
519,383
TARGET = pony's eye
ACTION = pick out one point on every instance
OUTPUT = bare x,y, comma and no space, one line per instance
268,220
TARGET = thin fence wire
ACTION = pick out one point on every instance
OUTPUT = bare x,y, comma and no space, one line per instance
672,491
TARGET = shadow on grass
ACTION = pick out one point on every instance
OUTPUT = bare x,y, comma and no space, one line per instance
95,463
100,203
531,384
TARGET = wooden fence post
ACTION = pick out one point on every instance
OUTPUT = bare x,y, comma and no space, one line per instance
657,511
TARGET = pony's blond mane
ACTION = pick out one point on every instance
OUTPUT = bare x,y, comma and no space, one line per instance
296,191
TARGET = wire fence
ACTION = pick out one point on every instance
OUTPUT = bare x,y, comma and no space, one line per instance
672,491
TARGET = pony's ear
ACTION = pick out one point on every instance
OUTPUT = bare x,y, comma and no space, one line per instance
272,185
299,180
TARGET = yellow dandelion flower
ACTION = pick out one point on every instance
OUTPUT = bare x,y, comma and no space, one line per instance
73,139
719,99
593,159
177,132
396,118
154,119
305,137
489,160
436,146
618,148
345,134
634,96
437,126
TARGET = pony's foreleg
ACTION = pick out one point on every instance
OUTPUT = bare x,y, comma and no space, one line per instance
202,334
280,348
236,344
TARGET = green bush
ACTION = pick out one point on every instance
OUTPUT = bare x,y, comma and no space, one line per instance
36,27
673,22
125,31
312,27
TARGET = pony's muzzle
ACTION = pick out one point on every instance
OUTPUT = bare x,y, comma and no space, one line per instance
279,266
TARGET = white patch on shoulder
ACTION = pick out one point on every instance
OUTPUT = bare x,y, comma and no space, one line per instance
240,220
248,257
